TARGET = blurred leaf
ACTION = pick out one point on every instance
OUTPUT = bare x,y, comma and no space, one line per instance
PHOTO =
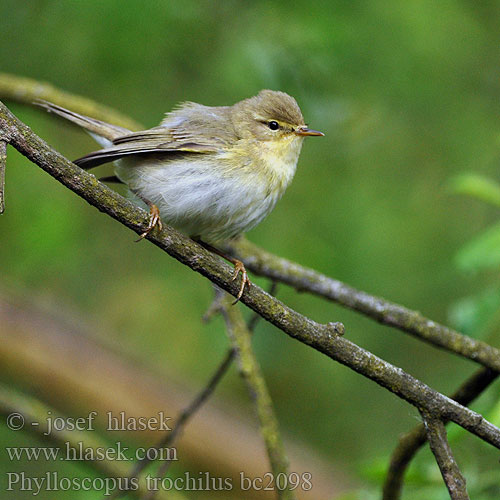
483,252
473,314
477,186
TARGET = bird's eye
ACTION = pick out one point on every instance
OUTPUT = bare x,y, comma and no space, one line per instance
273,125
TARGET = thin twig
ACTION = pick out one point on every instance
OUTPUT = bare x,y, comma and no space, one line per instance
452,477
388,313
323,337
3,160
411,442
241,339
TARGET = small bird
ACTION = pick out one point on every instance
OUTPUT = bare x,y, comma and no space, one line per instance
213,172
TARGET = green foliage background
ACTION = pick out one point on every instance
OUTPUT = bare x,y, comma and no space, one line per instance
407,94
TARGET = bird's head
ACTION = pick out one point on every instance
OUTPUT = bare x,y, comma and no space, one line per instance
270,116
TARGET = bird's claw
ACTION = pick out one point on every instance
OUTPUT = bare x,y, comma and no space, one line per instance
239,267
154,220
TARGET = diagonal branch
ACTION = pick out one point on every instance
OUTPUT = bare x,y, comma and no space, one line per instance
411,442
388,313
324,338
453,478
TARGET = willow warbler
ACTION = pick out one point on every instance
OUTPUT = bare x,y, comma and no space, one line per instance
211,172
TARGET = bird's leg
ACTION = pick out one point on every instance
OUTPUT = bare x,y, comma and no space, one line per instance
154,217
154,220
239,267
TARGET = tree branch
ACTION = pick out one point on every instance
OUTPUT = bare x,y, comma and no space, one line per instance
411,442
453,478
388,313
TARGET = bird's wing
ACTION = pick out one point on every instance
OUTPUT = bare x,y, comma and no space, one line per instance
192,128
159,140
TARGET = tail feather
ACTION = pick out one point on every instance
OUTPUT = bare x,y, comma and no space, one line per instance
98,129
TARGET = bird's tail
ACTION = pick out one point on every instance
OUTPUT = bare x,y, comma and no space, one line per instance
104,133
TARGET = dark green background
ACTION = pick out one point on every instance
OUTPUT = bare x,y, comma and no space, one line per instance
407,94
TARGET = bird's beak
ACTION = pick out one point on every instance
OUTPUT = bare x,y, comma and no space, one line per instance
307,131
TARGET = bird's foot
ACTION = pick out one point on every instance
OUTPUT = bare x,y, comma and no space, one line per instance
154,221
239,267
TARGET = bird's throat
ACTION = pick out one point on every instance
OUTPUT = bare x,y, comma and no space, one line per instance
279,159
